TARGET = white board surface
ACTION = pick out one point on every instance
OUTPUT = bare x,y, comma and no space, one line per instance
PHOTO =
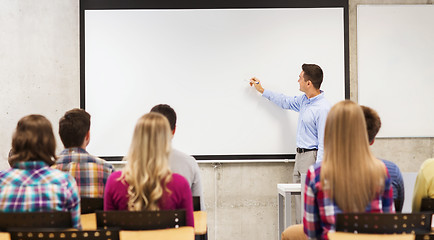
199,61
396,67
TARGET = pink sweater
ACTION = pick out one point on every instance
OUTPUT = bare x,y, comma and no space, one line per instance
116,196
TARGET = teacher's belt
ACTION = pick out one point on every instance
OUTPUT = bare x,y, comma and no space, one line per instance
303,150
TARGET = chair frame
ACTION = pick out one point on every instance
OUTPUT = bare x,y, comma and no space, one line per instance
35,220
91,205
383,222
50,234
141,220
427,205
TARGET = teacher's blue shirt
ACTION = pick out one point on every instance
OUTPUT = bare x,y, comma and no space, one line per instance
311,122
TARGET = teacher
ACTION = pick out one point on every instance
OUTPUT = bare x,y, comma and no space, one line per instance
313,109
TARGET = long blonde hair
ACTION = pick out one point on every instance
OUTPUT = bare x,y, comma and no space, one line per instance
350,174
147,170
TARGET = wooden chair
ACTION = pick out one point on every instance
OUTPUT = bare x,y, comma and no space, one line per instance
383,223
34,220
91,205
140,220
100,234
427,205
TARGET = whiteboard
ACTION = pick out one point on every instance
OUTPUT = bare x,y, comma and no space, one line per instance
395,67
199,62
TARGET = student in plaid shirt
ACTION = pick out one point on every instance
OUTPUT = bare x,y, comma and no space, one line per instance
350,179
90,172
31,185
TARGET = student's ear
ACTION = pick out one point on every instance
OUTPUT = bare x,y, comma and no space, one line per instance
87,138
173,131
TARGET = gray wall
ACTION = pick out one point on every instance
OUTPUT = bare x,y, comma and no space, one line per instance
39,73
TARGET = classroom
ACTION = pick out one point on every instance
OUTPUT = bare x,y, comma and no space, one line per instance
40,73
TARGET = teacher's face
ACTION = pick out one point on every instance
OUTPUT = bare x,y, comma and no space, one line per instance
302,82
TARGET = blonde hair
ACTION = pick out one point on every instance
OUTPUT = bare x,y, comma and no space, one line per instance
147,170
350,174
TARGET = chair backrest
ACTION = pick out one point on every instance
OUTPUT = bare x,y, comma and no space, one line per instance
35,220
427,204
100,234
383,222
140,220
428,236
91,205
196,203
398,205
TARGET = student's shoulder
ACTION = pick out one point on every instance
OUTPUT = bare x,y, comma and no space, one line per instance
179,180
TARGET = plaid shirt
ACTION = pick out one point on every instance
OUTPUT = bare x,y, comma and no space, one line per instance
320,211
90,172
35,187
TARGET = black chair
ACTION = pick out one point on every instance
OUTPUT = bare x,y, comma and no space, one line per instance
100,234
34,220
91,205
196,203
427,205
140,220
428,236
383,223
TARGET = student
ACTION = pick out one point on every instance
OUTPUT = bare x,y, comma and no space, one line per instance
146,182
313,109
373,125
180,162
350,178
31,185
90,172
424,186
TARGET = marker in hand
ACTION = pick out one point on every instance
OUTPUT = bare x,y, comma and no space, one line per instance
254,80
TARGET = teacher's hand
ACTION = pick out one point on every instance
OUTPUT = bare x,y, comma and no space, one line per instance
257,84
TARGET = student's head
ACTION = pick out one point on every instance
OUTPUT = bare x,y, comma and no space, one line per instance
147,170
373,122
168,112
313,73
348,161
33,140
74,128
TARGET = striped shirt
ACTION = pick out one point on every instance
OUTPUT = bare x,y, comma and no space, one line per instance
90,172
320,211
35,187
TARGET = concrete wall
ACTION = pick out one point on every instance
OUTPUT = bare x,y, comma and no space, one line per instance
39,73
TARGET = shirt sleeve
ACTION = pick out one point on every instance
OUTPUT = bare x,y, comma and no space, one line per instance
311,218
387,197
73,202
399,185
110,188
321,121
186,202
283,101
420,192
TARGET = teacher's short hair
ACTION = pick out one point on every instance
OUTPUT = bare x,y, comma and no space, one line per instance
313,73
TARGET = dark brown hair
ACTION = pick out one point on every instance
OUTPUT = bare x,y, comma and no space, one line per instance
373,122
33,140
168,112
313,73
73,127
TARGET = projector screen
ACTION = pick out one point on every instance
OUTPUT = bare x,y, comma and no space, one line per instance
199,61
